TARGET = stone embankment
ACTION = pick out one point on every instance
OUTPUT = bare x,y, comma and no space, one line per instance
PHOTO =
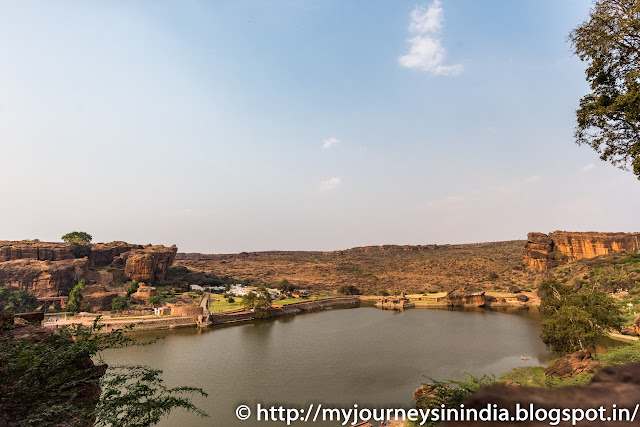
289,309
545,251
51,269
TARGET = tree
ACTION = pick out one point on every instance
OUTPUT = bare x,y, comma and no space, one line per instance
572,320
285,286
118,303
155,300
78,237
17,301
609,116
349,290
258,301
133,288
75,297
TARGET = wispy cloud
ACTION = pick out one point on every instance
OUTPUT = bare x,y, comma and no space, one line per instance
329,184
588,167
329,142
426,52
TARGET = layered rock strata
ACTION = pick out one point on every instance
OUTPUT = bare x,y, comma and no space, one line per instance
544,251
50,269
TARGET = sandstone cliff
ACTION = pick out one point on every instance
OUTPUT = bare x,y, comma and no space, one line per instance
544,251
50,269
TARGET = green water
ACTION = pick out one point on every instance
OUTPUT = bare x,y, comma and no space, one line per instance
372,357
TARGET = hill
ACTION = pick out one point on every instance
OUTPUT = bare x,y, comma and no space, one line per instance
414,269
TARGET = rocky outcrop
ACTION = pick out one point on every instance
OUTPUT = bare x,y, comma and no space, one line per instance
537,251
41,251
50,269
42,278
96,298
618,385
149,264
573,364
544,251
460,298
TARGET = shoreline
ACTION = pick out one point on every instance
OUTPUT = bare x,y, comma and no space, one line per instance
243,316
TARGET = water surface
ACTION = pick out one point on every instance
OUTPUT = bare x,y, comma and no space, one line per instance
372,357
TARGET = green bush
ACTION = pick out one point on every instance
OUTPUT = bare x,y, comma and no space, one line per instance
119,303
79,250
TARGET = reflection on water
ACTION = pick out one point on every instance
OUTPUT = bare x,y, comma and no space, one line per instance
372,357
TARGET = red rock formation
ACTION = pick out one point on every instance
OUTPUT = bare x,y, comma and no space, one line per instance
42,278
542,251
42,251
50,269
149,265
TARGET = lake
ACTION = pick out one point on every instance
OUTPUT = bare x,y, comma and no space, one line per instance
368,356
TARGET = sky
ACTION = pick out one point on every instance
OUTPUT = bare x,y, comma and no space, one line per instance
227,126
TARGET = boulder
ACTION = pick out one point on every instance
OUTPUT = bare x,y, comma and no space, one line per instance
461,298
522,298
573,364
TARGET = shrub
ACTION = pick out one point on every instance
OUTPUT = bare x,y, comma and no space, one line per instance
133,288
118,303
79,250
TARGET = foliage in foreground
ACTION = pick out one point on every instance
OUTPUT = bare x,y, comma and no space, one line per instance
572,320
135,396
451,393
48,379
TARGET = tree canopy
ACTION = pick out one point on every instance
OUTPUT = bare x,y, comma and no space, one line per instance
77,237
609,117
17,301
572,320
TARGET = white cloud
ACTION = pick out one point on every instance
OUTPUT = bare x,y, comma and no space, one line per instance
588,167
329,184
329,142
426,52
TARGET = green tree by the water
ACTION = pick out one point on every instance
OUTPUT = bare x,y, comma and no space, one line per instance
609,116
573,320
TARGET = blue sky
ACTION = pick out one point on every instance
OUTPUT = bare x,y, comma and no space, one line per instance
226,126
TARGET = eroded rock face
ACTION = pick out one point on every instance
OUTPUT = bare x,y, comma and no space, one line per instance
542,251
619,385
42,251
50,269
42,278
150,264
96,298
